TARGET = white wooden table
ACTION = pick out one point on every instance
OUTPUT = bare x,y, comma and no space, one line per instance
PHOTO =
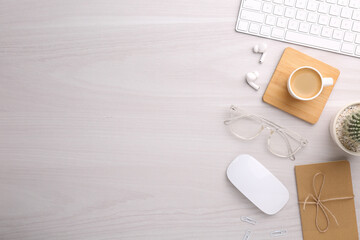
112,116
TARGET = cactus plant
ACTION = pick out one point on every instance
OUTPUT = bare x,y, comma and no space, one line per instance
345,128
352,127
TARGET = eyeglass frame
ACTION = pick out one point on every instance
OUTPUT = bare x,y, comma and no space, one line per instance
273,127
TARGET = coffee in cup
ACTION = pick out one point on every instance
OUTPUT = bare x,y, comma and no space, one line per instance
306,83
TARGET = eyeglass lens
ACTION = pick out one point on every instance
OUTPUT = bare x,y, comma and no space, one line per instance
246,127
281,144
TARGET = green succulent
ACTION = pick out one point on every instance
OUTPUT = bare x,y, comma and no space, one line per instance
352,127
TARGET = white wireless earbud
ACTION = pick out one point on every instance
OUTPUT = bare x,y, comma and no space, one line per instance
261,48
250,79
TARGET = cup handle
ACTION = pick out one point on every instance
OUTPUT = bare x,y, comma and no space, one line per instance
328,82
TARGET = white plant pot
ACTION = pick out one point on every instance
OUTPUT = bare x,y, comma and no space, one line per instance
333,130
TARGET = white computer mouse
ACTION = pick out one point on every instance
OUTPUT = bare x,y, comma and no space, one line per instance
258,184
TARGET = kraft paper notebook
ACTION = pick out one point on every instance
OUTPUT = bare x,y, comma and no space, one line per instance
337,201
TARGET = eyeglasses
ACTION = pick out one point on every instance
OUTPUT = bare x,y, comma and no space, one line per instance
281,142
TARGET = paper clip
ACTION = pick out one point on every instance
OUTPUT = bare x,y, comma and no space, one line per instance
278,233
248,220
247,235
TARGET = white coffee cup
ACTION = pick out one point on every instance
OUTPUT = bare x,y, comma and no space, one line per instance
325,82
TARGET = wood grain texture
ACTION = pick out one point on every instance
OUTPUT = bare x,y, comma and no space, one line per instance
112,121
277,94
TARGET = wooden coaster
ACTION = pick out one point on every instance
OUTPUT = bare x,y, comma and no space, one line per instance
277,94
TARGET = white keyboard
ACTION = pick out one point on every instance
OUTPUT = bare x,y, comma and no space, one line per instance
331,25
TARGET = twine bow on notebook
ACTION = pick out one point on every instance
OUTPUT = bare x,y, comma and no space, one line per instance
320,203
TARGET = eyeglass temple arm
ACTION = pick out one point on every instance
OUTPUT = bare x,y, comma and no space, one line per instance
232,118
288,132
290,151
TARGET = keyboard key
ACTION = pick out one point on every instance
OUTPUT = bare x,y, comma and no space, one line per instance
357,39
254,28
335,10
267,7
252,4
320,42
312,5
281,22
312,17
315,29
301,15
278,10
252,16
354,4
356,15
304,27
356,27
346,24
289,3
343,2
277,33
265,30
357,52
243,25
331,1
346,12
270,20
324,8
293,25
290,12
326,32
278,1
349,37
348,48
335,22
300,3
338,34
324,20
